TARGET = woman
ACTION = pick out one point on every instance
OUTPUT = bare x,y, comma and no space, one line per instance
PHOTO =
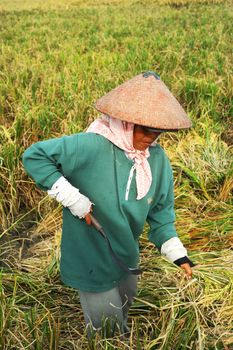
117,172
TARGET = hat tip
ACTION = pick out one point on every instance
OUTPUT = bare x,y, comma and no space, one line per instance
149,73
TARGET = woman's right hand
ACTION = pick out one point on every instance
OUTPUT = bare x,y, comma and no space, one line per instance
70,197
88,217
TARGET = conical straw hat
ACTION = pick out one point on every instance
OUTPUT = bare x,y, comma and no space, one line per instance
145,100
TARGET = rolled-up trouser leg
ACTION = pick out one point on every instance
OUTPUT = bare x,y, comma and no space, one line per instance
112,305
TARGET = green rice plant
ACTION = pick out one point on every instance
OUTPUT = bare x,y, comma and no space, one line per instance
36,329
60,4
55,64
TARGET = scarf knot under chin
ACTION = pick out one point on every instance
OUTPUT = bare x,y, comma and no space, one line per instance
120,133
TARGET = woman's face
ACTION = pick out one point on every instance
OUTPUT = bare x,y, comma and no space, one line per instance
143,138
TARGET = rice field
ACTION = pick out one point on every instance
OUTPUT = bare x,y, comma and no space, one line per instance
56,59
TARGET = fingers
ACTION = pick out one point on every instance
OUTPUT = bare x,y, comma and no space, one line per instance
188,271
88,217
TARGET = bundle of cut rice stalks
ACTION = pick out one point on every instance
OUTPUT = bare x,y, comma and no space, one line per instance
189,314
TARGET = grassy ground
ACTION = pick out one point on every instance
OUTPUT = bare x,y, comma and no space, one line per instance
56,59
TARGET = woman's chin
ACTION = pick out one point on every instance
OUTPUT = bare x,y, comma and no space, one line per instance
142,146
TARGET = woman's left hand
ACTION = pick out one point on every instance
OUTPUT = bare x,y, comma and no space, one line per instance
186,267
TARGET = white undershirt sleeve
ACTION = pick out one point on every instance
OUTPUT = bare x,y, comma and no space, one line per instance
173,249
69,196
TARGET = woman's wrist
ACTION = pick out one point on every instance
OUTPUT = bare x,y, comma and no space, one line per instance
184,260
69,196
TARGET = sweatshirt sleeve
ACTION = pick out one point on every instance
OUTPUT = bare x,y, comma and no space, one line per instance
46,161
161,217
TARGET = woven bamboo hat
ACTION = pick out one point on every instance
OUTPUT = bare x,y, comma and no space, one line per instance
145,100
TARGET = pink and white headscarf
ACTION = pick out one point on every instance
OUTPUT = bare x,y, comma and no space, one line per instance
120,133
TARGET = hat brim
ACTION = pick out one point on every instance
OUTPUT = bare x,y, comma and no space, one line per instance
145,101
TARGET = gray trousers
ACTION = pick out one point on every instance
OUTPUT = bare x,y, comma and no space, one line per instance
109,310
